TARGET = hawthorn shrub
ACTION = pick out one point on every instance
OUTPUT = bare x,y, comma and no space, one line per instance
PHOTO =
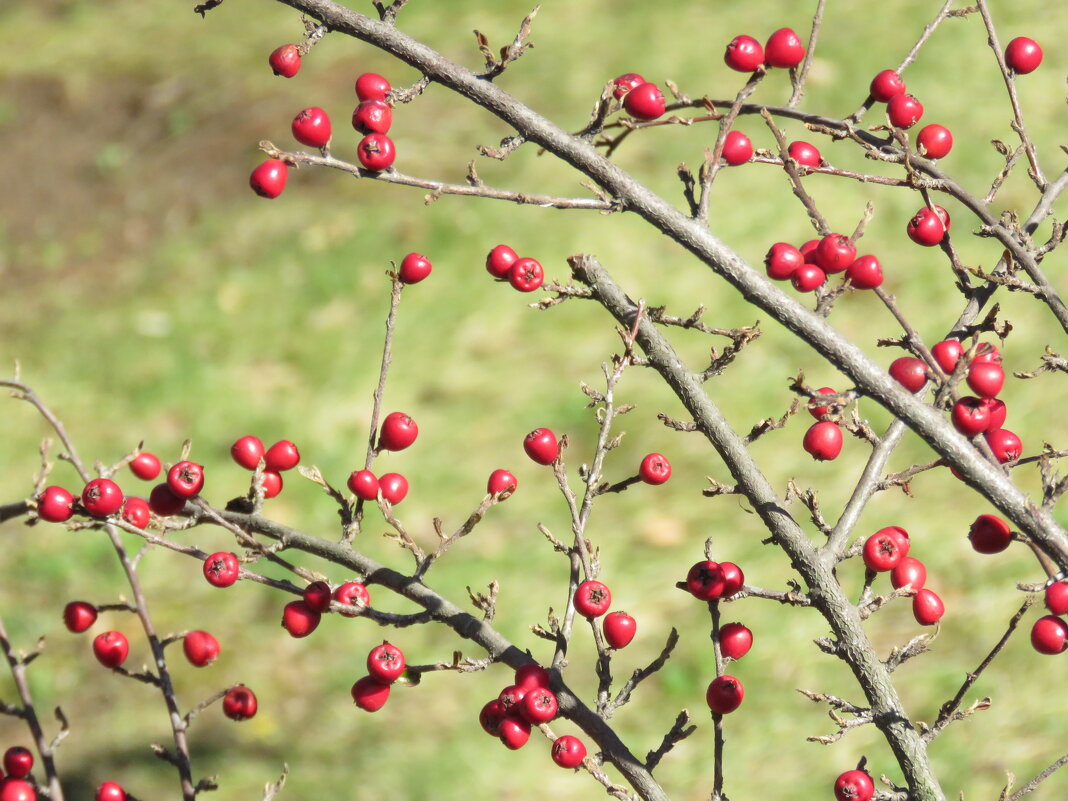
884,415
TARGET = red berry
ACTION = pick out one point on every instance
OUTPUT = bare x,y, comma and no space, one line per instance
385,663
372,116
102,497
808,250
369,694
1005,445
704,581
735,640
371,86
805,154
285,60
990,534
619,629
414,268
909,571
744,54
299,619
624,83
568,751
997,411
500,260
283,455
1023,55
376,152
904,110
1057,597
1049,635
927,607
970,416
808,277
269,178
526,274
947,353
364,485
501,483
592,599
541,446
136,512
910,372
645,102
111,648
200,648
782,260
819,411
514,731
186,479
221,569
352,593
733,578
899,534
18,762
55,505
854,785
17,790
865,272
737,149
835,253
984,351
317,596
394,487
512,696
882,551
886,85
240,703
490,717
79,616
538,706
398,432
654,469
934,141
986,379
926,228
531,675
110,791
247,451
784,49
311,127
724,695
164,502
272,484
145,466
823,441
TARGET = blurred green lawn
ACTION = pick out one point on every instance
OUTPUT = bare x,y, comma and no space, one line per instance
148,295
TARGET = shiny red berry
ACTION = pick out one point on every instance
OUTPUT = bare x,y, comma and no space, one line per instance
819,411
222,569
592,599
784,49
782,260
247,451
835,253
1005,445
910,372
285,60
186,479
926,228
502,483
1023,55
865,272
724,695
885,85
299,619
990,534
385,663
737,148
352,593
538,706
102,497
624,83
735,640
909,571
619,629
272,483
1057,597
808,277
970,416
283,455
526,274
1049,635
79,616
393,486
364,485
370,694
372,116
514,732
805,154
145,466
164,502
317,596
240,703
18,762
704,581
934,141
17,790
904,110
376,152
568,751
311,127
654,469
136,512
882,552
110,791
986,379
200,648
371,86
733,578
927,607
823,441
500,260
398,432
414,268
645,102
55,505
532,675
269,178
744,54
541,446
854,785
111,648
947,353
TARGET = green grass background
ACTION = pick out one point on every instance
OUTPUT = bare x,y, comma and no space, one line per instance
148,295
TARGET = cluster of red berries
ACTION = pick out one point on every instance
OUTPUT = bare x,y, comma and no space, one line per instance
808,266
1049,635
385,664
783,49
16,784
504,264
300,618
886,551
710,581
248,451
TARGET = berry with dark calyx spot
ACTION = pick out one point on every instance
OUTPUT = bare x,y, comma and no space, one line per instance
592,599
370,694
538,706
737,148
247,451
909,571
312,127
145,466
372,116
352,593
385,663
568,751
645,102
393,486
18,762
654,469
784,49
854,785
781,261
364,485
927,228
805,154
1049,635
735,640
865,272
947,353
110,791
285,60
398,432
299,619
1056,598
882,552
541,446
934,141
808,278
724,695
186,479
55,505
990,534
1005,445
102,497
531,675
904,110
624,83
1023,55
910,372
222,569
499,261
835,253
526,274
885,85
490,717
970,416
704,581
512,696
317,596
501,483
111,648
514,732
414,268
269,178
200,648
136,512
927,607
376,152
281,456
619,629
164,502
371,86
823,441
240,703
904,543
79,616
986,379
744,54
